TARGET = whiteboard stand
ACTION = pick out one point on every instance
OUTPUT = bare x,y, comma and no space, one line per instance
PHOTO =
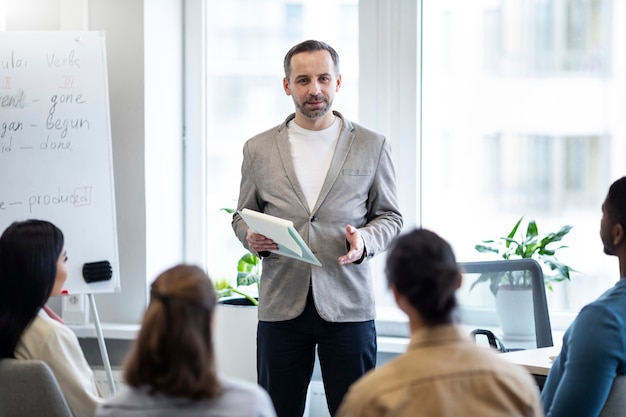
103,347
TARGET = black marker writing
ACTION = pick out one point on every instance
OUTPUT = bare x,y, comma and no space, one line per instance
15,101
9,127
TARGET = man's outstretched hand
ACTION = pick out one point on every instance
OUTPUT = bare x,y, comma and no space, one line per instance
357,246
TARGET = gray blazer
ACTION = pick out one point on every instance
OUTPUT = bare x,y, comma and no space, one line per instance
359,190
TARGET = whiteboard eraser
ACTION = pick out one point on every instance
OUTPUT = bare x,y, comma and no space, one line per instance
97,271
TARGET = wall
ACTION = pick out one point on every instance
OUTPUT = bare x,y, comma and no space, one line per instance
144,54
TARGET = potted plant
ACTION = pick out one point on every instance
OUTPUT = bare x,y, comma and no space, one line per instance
513,289
532,245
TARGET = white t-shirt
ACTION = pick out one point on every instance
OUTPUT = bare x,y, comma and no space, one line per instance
311,152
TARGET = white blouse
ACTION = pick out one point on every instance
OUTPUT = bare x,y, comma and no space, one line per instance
55,344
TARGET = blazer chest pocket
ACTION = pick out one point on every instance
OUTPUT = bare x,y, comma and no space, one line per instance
357,172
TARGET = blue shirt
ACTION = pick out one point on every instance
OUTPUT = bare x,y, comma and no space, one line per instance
593,354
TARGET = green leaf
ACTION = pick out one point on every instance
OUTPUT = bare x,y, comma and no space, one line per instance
247,296
514,230
248,270
247,278
248,262
485,249
532,230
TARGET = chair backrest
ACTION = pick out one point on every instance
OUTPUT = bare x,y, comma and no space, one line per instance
29,388
615,405
543,329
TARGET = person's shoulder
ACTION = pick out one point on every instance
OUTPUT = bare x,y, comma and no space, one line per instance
359,130
611,304
498,364
42,328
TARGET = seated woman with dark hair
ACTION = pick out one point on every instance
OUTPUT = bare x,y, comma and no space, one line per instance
32,269
443,373
171,369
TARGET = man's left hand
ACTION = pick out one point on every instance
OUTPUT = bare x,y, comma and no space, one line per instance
357,246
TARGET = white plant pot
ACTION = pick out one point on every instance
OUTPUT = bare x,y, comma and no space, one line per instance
515,311
234,339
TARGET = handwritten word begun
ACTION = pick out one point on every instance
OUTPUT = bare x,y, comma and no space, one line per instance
64,124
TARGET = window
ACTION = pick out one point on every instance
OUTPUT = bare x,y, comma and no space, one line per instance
518,113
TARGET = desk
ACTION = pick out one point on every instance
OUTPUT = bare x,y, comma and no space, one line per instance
536,361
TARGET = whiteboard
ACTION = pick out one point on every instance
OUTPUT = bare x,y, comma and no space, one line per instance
55,145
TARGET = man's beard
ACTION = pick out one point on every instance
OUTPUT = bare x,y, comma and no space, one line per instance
317,113
609,249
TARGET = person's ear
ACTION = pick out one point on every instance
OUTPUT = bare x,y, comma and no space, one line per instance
459,281
618,234
338,86
286,86
399,298
394,291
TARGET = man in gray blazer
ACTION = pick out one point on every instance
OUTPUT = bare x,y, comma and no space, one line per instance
335,181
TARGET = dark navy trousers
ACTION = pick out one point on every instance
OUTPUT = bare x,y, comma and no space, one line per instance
286,357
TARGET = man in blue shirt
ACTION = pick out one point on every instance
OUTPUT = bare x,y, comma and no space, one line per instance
594,346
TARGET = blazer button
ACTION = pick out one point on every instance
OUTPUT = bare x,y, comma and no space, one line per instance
312,219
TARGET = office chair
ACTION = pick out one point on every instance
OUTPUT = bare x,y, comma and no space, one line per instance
615,405
543,329
29,388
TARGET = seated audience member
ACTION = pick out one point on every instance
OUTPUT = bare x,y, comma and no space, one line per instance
443,372
594,346
32,269
171,369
